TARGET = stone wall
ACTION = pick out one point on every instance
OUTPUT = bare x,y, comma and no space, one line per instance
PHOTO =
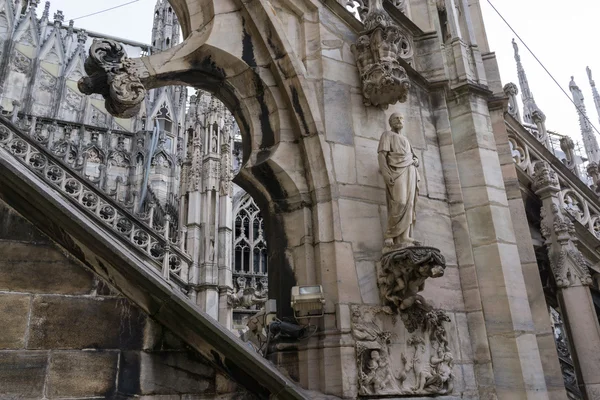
67,334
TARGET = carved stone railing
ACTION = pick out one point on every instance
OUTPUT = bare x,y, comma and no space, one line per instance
113,161
150,239
579,200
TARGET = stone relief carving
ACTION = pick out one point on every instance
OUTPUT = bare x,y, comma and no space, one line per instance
21,63
72,101
402,274
195,174
410,362
377,51
47,82
249,296
225,182
111,75
98,118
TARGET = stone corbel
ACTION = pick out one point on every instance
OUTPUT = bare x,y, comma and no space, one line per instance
377,51
115,76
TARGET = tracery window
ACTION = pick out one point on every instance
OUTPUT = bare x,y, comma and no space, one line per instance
249,244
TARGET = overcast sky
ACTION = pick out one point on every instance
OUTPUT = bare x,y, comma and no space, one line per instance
562,34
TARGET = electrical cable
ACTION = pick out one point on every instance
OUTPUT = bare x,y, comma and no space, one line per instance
108,9
542,64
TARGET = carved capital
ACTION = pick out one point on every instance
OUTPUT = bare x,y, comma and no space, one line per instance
377,52
545,178
112,75
402,275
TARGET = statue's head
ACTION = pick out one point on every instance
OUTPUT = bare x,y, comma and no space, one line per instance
375,355
396,121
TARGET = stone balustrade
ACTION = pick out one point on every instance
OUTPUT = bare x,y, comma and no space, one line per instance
576,197
143,231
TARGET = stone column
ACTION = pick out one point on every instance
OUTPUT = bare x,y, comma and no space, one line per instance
535,291
572,278
507,318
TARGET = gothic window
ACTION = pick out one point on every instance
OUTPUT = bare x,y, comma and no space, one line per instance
249,243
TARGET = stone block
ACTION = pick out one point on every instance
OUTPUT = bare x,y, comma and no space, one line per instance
13,227
367,167
82,374
99,323
165,373
13,252
14,314
52,277
367,281
344,161
369,122
361,226
22,374
338,116
435,183
445,292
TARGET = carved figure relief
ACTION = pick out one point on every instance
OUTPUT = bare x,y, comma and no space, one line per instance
377,51
249,296
409,362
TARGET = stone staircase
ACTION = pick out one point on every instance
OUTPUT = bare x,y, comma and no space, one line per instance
132,257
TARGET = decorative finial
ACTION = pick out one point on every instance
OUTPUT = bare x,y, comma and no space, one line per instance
82,37
589,74
46,13
59,18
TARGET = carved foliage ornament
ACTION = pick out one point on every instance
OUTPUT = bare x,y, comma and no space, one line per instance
111,75
377,52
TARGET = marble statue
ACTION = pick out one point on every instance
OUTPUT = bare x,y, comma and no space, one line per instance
399,166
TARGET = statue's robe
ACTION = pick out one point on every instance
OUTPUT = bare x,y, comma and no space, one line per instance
402,195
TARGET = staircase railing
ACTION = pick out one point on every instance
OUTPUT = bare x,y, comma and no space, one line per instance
149,238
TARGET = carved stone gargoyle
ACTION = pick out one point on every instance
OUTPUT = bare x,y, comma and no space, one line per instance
111,75
377,51
402,274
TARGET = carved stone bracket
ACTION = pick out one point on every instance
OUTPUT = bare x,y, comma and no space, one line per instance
402,274
111,75
377,52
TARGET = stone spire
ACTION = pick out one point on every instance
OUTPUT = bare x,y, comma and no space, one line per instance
587,131
165,29
594,90
529,106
